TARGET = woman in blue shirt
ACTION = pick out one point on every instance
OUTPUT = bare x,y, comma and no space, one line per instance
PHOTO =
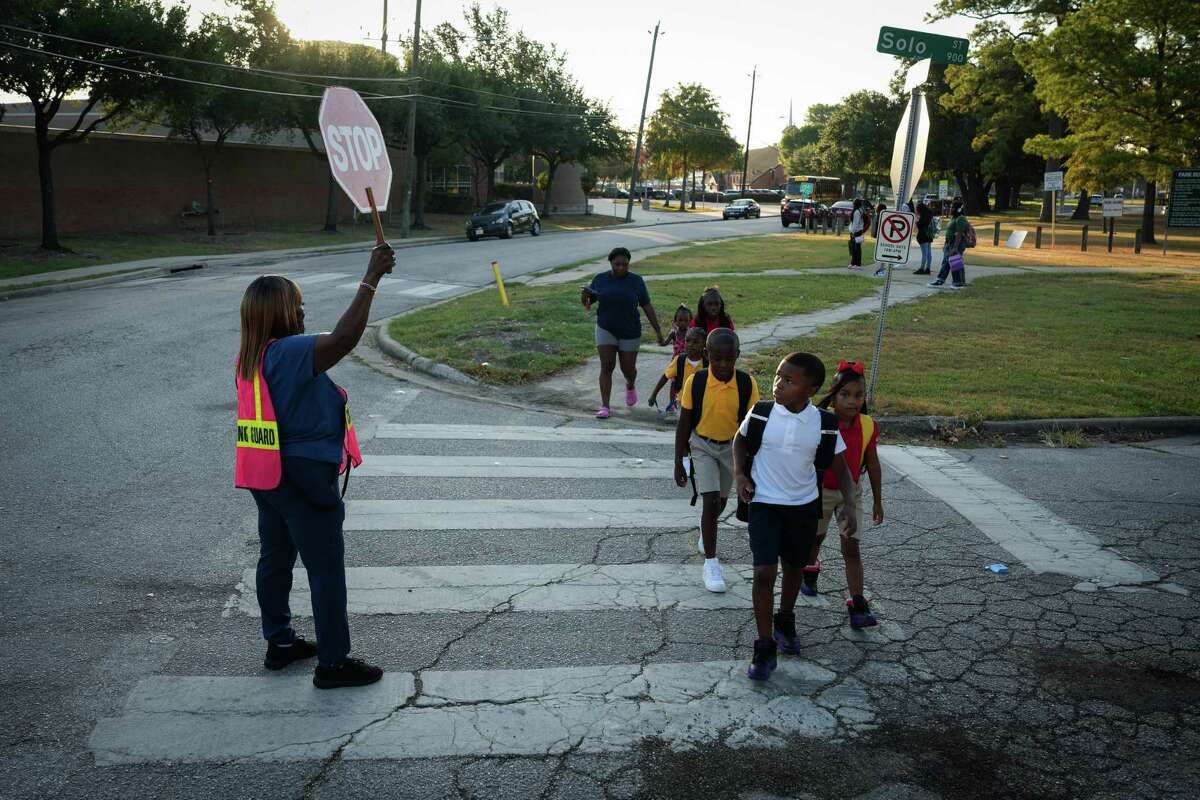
304,513
618,327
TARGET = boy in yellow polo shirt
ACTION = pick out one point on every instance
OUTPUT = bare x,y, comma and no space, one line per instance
705,431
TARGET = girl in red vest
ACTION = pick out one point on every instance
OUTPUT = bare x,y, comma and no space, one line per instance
847,395
294,436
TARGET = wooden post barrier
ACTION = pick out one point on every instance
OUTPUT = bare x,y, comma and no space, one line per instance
1083,237
996,235
1037,238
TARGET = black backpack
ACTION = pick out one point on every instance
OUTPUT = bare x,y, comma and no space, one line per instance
677,382
699,383
821,462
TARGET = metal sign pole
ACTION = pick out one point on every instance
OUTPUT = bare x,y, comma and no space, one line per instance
914,108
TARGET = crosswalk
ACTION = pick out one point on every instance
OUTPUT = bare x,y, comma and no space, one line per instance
544,708
590,483
343,282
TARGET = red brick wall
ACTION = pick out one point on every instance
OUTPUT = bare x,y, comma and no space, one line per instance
128,183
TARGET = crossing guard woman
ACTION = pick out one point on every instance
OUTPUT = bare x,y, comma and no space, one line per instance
294,437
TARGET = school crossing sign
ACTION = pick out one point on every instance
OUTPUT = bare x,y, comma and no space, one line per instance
895,237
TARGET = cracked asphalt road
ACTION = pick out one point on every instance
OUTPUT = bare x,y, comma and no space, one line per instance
123,544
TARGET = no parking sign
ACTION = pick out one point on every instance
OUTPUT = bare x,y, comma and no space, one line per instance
895,237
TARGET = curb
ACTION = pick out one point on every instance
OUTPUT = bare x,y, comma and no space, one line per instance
187,263
66,286
1163,426
415,360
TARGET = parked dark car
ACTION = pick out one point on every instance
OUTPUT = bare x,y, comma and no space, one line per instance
614,192
659,194
742,209
843,210
801,211
503,219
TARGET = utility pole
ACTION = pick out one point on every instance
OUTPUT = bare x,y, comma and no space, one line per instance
746,160
410,158
383,39
637,153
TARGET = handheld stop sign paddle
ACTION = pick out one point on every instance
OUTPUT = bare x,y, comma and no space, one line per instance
358,157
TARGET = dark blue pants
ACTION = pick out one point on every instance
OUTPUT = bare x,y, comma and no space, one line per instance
303,515
959,278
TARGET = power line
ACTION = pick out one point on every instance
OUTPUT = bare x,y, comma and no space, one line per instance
285,75
259,70
81,60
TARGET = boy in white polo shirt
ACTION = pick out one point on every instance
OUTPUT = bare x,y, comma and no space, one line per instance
779,451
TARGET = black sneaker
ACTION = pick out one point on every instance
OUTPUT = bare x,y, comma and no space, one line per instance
785,632
279,657
351,672
764,660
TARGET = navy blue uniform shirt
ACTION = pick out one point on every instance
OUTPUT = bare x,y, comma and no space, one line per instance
620,299
308,407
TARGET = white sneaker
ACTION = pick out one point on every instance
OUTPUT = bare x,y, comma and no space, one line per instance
714,578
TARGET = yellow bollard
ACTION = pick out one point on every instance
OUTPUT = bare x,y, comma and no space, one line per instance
500,283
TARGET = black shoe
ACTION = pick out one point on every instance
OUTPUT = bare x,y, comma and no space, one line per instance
351,672
922,272
764,661
785,632
279,657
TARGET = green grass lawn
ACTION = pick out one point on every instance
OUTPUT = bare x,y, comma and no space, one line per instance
1031,346
546,330
754,254
26,258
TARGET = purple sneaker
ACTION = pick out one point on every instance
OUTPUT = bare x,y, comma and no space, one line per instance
808,585
764,661
860,614
785,633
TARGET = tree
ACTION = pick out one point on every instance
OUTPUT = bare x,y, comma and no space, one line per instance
29,70
689,128
207,114
997,91
1123,74
300,114
1036,16
483,65
856,139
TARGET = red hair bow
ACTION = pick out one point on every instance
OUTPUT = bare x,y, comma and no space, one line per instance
853,366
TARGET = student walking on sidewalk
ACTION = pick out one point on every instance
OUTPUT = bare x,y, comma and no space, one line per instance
294,436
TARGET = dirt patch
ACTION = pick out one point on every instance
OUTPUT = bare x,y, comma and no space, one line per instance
939,757
1141,688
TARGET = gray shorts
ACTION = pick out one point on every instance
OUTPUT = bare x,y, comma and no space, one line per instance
603,337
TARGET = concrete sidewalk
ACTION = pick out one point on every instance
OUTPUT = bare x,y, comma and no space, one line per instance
578,389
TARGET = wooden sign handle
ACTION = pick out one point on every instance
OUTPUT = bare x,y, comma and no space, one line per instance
375,217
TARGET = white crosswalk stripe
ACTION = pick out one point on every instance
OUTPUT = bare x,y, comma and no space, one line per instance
527,433
312,279
1040,539
514,515
546,710
514,467
478,713
403,286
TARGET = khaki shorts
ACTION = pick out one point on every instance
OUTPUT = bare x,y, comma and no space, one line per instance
831,501
713,464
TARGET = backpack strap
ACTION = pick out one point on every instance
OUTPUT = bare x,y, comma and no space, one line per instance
745,385
868,430
677,383
699,384
755,427
829,434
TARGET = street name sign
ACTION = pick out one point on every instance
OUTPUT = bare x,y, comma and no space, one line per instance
1114,206
943,190
806,188
922,44
1053,182
1184,208
358,157
895,237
